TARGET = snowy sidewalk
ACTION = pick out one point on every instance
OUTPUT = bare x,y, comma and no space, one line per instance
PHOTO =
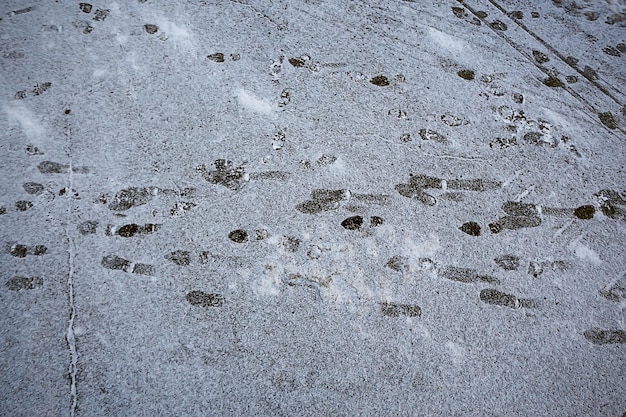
313,208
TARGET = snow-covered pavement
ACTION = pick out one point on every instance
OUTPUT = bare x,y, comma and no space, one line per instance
313,207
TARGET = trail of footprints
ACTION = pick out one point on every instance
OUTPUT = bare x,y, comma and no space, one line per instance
425,190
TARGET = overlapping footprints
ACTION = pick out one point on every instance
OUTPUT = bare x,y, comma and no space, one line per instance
523,215
128,198
132,229
37,90
51,167
453,273
38,190
226,174
612,203
499,298
417,185
519,215
115,262
323,200
615,291
99,15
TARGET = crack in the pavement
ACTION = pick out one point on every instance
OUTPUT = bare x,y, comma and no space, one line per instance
70,336
71,250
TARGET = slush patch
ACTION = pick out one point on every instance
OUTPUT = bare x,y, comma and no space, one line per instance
599,336
216,57
23,283
397,310
23,205
238,236
380,80
33,187
499,298
323,200
466,74
150,28
179,257
398,263
130,197
203,299
225,174
508,262
471,228
352,223
465,275
87,227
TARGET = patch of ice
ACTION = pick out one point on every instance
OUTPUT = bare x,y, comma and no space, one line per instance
26,119
338,167
586,253
269,282
174,31
424,249
251,102
446,41
456,351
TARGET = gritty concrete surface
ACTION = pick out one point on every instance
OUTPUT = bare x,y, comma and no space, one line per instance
313,208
